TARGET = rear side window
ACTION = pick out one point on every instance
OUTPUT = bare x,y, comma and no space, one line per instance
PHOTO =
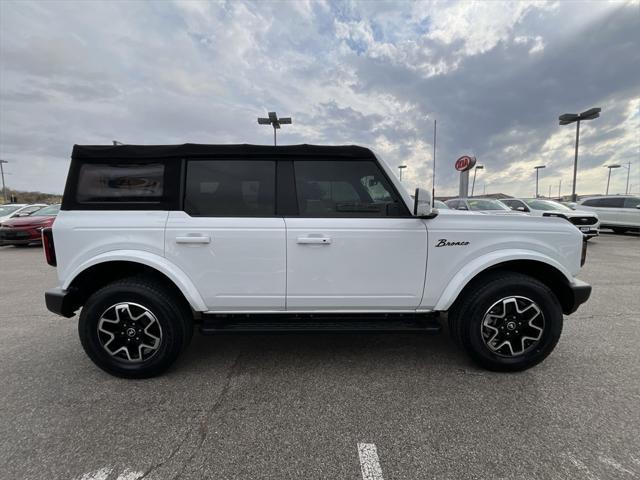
135,183
344,189
631,202
230,188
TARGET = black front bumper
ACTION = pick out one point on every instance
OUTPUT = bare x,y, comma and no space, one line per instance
61,302
581,292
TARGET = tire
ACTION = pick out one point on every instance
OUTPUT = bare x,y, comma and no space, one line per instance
134,328
618,230
502,304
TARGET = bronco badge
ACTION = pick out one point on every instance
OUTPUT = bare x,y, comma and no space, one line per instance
444,243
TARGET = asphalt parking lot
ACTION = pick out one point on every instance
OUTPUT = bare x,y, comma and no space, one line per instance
296,407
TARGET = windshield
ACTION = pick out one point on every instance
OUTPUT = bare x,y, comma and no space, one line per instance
546,205
485,204
50,210
7,209
439,204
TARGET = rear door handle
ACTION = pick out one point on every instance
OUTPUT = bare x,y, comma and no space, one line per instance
194,239
315,240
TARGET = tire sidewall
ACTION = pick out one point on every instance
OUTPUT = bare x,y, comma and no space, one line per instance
171,343
544,299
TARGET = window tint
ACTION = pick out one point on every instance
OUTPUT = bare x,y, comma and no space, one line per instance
344,189
140,183
453,204
606,202
593,202
631,202
230,188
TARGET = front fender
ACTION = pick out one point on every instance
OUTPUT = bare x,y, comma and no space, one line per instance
161,264
482,263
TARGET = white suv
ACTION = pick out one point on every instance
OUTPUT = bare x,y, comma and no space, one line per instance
587,222
152,240
620,213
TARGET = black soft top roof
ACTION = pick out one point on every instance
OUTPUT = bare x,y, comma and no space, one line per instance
107,152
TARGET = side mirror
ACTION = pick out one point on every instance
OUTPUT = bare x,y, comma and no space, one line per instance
520,209
422,203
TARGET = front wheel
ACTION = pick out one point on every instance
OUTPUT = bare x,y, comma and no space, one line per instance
507,322
134,328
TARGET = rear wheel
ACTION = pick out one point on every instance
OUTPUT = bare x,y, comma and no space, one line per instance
507,322
134,328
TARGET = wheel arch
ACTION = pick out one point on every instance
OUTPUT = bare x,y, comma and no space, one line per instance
558,281
94,274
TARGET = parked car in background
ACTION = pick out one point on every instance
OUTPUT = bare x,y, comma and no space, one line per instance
481,205
12,210
620,213
587,222
439,204
22,231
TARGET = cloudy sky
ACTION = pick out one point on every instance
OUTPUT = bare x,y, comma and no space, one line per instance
494,75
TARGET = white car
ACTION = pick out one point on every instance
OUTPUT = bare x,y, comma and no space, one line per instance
440,204
586,222
11,210
481,205
153,241
620,213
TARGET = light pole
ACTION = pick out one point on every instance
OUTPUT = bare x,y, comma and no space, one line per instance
433,183
401,167
628,167
566,119
475,170
537,169
274,121
609,177
4,190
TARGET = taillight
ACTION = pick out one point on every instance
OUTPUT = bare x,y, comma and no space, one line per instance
49,248
583,257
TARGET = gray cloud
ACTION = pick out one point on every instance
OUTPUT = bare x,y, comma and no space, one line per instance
373,73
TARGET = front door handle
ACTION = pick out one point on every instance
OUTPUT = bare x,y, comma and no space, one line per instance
315,240
194,239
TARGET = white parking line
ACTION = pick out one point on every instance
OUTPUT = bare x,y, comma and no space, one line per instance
369,462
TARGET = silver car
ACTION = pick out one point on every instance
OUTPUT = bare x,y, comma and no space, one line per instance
481,205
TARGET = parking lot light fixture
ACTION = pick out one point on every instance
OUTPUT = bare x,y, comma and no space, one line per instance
275,122
609,176
401,167
475,171
537,169
568,118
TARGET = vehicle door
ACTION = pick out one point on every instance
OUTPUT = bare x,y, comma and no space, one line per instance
613,208
227,237
353,245
632,211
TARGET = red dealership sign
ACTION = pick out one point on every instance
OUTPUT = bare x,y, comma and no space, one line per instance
465,163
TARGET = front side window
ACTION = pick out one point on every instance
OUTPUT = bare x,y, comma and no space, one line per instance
139,183
230,188
348,188
611,202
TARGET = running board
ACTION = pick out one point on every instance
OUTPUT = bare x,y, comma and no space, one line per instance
214,324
